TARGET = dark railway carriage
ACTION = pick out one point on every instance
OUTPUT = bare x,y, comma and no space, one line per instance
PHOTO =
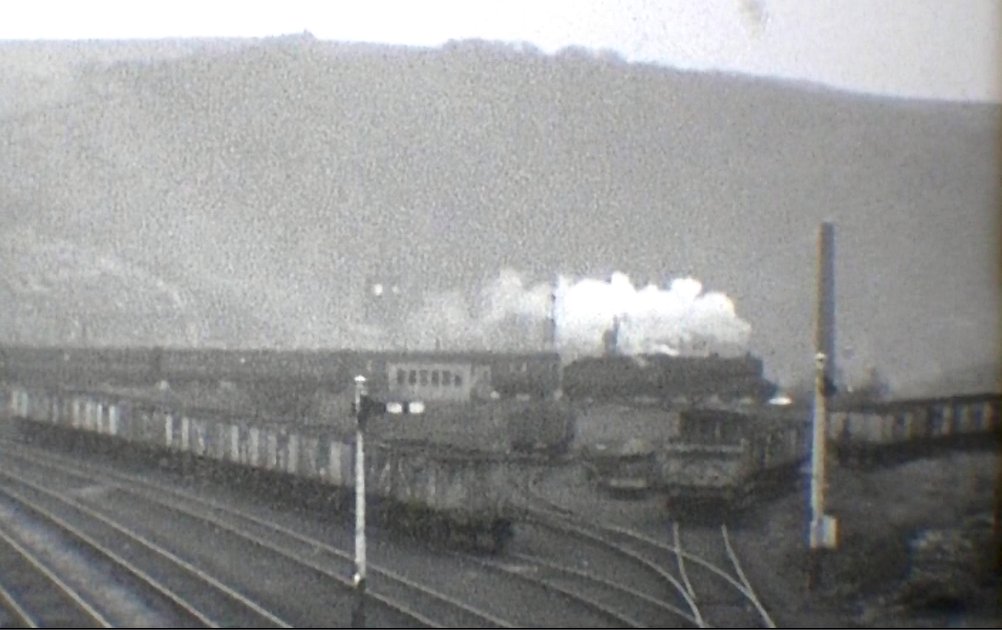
666,378
510,374
77,365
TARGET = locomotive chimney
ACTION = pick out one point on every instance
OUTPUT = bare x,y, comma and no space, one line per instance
610,340
550,325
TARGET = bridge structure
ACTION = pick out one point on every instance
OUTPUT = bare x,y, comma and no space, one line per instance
899,429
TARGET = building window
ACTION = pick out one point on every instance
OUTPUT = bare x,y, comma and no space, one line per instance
434,378
458,380
446,377
401,376
412,377
424,377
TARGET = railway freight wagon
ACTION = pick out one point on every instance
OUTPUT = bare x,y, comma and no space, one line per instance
730,457
894,430
710,456
462,495
617,443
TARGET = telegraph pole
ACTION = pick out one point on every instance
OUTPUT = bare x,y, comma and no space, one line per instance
818,451
358,580
822,528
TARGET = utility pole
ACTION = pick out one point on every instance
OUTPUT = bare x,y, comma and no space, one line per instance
358,580
823,528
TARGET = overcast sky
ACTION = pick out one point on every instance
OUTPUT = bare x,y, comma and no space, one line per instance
946,49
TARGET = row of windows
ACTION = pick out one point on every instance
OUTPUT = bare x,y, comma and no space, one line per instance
436,378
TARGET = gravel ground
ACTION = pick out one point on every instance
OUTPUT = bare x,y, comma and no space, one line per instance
915,548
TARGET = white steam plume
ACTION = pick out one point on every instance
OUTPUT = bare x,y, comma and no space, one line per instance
680,319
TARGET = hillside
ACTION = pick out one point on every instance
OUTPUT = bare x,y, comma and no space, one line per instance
269,179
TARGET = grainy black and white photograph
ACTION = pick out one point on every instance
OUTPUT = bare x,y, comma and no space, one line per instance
605,313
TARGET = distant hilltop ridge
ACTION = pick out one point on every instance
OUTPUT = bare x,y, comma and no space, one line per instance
49,69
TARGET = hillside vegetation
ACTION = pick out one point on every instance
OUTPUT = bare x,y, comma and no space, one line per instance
240,193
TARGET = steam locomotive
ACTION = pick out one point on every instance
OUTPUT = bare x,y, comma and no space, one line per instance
668,379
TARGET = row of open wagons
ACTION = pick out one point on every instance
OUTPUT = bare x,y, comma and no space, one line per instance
894,430
444,493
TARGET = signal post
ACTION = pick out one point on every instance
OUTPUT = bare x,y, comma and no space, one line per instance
823,528
364,408
358,579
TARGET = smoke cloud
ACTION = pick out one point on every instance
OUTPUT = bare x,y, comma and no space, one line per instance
681,319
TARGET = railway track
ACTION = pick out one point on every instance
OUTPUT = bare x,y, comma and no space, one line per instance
112,575
706,573
32,595
399,599
723,594
633,580
610,574
623,588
